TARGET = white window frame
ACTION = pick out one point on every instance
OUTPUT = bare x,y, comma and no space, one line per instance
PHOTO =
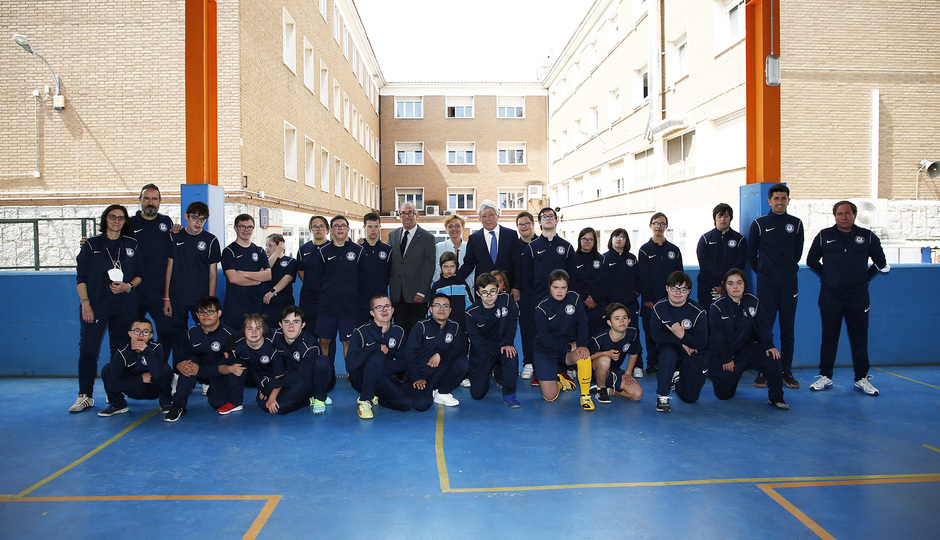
346,179
337,176
414,195
459,106
355,186
503,150
345,42
323,9
401,106
647,157
337,23
730,24
324,85
289,34
516,197
640,87
414,148
594,120
460,195
310,162
615,177
346,113
684,167
355,122
613,28
640,9
290,151
614,108
337,101
324,169
677,63
310,68
458,153
507,104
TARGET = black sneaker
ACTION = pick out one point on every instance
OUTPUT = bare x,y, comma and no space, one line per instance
603,396
662,403
174,413
790,381
780,404
112,410
651,369
760,381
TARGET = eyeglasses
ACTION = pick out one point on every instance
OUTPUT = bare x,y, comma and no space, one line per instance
245,227
382,308
587,240
141,332
454,226
680,290
206,311
547,218
317,227
116,217
440,306
339,227
658,224
620,238
489,292
196,219
524,224
408,213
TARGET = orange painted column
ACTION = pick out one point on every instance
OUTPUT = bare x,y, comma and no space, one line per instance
763,102
202,134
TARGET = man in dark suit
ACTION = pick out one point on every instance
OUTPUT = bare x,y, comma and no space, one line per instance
483,256
412,268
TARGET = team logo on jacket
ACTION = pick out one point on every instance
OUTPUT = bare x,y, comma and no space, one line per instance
163,227
560,250
215,346
626,347
597,264
569,309
790,228
687,324
630,262
505,311
130,251
752,311
254,256
265,359
201,246
392,342
350,256
143,361
671,254
859,240
297,355
732,243
383,255
448,338
497,313
284,264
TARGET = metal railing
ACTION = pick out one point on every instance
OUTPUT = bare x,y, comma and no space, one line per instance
60,246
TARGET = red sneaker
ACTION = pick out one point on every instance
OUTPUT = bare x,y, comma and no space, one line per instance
535,382
228,408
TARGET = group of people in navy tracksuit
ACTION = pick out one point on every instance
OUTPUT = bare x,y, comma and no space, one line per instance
579,315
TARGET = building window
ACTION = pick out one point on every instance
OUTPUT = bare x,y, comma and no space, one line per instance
346,114
639,9
409,153
310,166
310,69
734,14
678,61
615,175
512,198
337,96
643,169
641,84
414,196
613,105
290,42
460,107
594,120
356,121
460,153
613,29
680,156
337,23
511,153
337,177
290,151
510,107
324,170
324,85
460,199
345,41
323,9
355,186
409,107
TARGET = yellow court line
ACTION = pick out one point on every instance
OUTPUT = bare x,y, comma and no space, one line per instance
100,447
932,448
251,534
770,489
439,450
908,378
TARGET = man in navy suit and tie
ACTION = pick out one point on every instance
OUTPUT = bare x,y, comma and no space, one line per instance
493,247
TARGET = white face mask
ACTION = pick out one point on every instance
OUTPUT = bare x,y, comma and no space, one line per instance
116,274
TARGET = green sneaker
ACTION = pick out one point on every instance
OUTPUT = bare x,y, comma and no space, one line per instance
317,406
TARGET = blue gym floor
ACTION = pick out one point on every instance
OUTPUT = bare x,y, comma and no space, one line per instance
839,464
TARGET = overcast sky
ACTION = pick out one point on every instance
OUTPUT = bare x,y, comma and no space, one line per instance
468,41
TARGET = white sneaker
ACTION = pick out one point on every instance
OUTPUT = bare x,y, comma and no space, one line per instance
862,385
637,373
527,371
822,383
465,383
447,400
205,389
83,402
328,400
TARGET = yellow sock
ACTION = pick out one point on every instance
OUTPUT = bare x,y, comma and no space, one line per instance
584,376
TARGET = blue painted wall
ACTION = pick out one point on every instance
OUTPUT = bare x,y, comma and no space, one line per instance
39,321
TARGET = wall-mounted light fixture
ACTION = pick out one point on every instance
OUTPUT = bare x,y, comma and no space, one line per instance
58,100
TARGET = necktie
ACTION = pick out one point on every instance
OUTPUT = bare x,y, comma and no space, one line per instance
493,246
404,243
